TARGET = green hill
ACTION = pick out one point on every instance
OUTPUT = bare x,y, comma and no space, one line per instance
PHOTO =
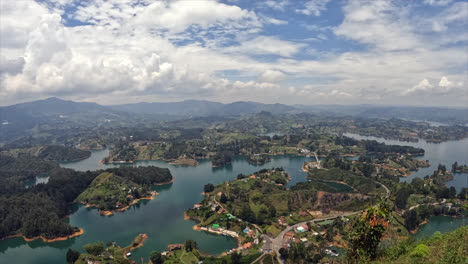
440,248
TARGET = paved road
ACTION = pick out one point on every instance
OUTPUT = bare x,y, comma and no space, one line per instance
318,161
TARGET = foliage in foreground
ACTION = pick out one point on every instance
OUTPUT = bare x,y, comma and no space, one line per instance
450,247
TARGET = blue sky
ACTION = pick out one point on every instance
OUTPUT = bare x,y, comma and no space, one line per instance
293,52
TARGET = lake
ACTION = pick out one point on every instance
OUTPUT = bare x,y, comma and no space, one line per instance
445,153
162,219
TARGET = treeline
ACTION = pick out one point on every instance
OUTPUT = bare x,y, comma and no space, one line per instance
376,147
14,171
61,153
221,158
143,175
39,211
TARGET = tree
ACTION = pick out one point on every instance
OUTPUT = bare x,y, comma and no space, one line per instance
453,192
402,198
284,253
156,257
190,245
411,219
208,188
72,255
247,214
462,194
223,198
367,232
441,168
272,210
418,184
94,249
235,258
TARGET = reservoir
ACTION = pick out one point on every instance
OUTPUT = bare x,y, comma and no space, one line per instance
162,219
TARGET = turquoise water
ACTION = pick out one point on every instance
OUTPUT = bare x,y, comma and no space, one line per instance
445,153
162,218
441,224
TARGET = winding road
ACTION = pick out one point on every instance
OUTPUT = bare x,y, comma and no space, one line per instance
274,244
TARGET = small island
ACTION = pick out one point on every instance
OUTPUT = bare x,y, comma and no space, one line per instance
259,159
117,189
106,253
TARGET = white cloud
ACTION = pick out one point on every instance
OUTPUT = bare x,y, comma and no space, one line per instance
127,52
272,76
277,5
313,7
380,24
437,2
422,86
268,45
444,82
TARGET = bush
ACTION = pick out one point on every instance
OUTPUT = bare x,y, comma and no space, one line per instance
421,251
94,249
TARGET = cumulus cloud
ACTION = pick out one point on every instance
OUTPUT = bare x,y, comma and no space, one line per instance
378,23
444,82
422,86
118,52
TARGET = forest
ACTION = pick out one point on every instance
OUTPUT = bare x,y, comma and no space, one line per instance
39,210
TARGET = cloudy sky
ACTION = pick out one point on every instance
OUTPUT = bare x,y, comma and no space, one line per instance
293,52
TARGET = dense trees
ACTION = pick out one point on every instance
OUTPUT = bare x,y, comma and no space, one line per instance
190,245
61,153
221,158
156,257
402,197
412,219
143,175
72,256
94,249
208,188
39,210
376,147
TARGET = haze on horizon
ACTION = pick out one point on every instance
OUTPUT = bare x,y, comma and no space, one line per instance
290,52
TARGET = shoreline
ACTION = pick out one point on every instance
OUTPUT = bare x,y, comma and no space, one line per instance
111,212
47,240
125,251
108,213
164,183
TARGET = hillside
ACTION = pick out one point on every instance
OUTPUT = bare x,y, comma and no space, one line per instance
440,248
117,189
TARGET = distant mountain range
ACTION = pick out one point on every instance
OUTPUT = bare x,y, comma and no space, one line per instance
197,108
53,110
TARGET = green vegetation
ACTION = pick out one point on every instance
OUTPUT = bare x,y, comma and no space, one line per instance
39,211
109,253
259,159
367,232
118,188
450,247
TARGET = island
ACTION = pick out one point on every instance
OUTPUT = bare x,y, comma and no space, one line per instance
258,159
117,189
110,253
